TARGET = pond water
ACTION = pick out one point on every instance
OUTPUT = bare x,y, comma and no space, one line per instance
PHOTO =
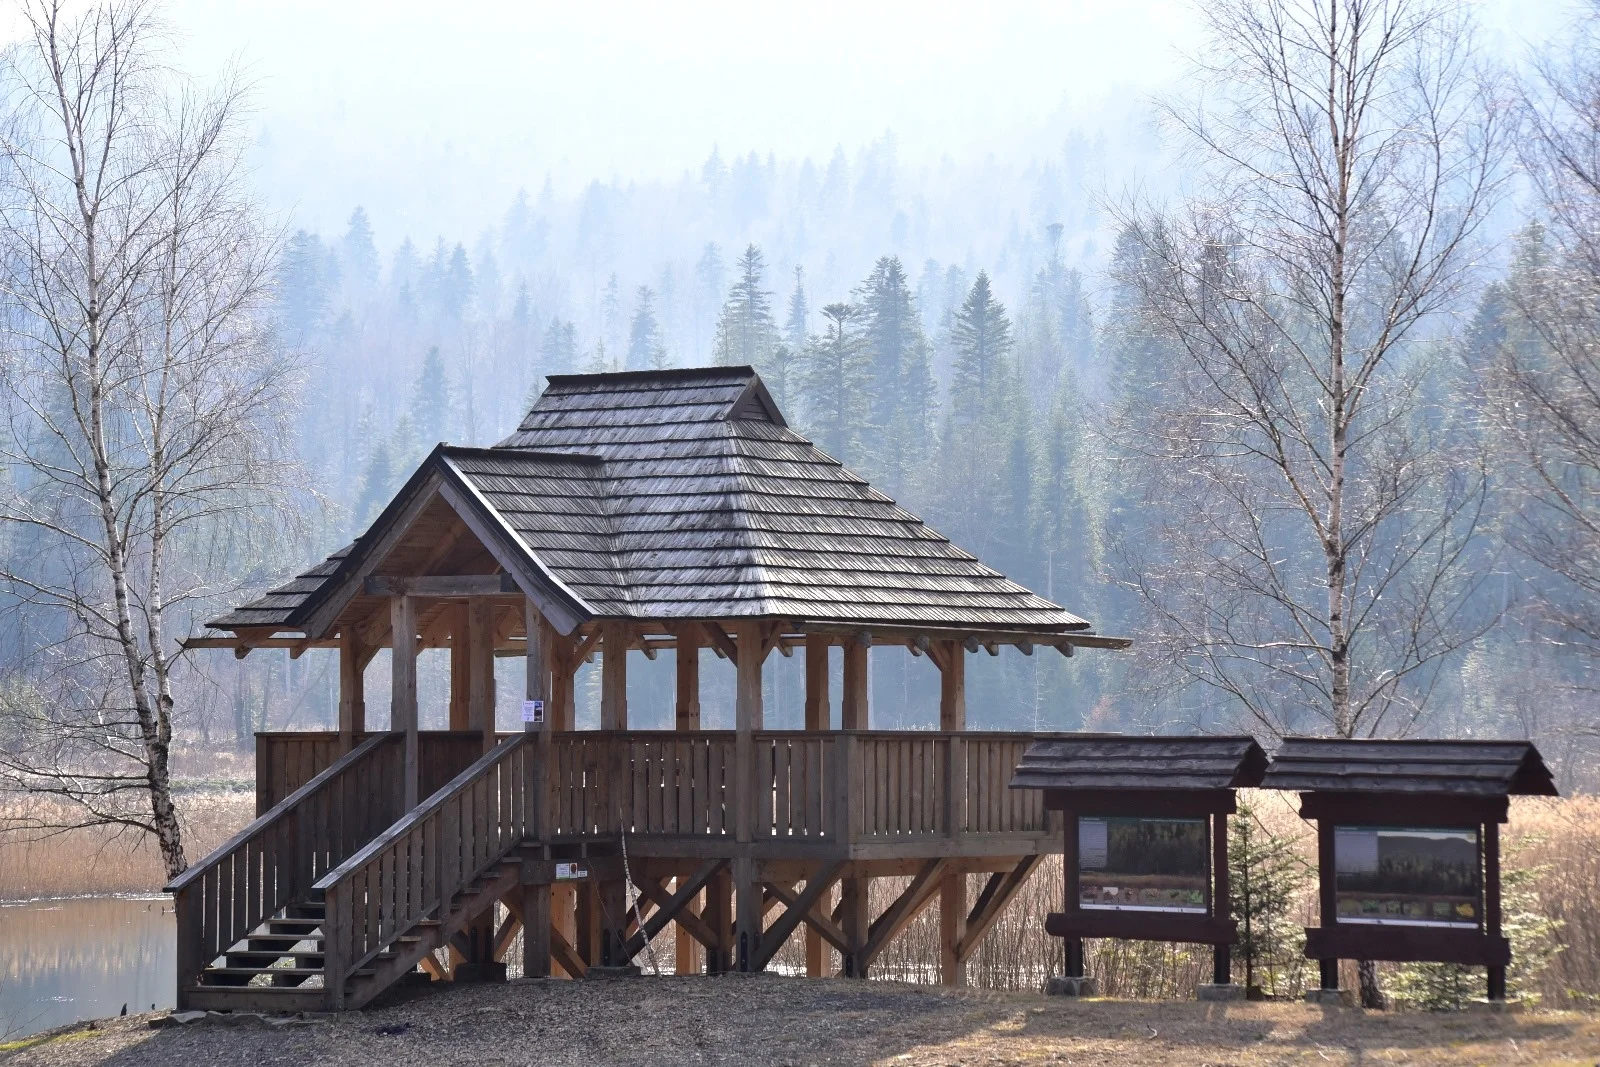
63,961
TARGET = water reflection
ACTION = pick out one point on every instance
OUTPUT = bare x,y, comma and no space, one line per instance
62,961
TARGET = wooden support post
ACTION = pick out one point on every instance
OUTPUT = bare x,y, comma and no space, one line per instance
1071,888
1329,899
819,716
747,791
460,668
687,716
564,920
1491,904
588,922
1221,906
687,654
536,931
853,714
480,664
718,916
613,899
614,676
352,691
564,666
855,917
953,887
403,690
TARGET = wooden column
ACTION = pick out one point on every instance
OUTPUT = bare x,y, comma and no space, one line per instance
614,676
687,718
818,717
1221,955
747,719
460,668
352,691
480,674
951,659
1491,904
1328,896
403,689
1072,889
853,892
563,702
537,899
853,714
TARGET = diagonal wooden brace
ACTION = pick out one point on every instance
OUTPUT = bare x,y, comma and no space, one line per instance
785,924
916,896
997,893
668,909
828,928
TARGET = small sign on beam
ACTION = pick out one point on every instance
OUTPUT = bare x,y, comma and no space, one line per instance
533,711
571,872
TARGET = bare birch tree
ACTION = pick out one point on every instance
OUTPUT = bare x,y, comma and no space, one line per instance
1313,519
142,396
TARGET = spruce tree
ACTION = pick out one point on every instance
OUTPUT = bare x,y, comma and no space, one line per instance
982,340
359,252
644,333
833,380
431,400
558,353
797,327
746,333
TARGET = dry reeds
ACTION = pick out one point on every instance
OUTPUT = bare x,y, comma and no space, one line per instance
104,860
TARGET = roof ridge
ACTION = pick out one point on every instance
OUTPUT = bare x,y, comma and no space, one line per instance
664,374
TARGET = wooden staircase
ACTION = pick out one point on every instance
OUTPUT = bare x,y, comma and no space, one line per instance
336,894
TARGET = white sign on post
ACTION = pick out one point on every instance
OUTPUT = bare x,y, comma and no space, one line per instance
533,711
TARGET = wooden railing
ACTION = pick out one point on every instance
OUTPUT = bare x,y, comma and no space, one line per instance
275,860
991,808
413,869
286,761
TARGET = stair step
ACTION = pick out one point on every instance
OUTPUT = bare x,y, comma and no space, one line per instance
251,972
251,959
253,998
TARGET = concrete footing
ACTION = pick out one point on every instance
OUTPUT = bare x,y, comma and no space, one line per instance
628,971
1332,998
1220,991
1071,987
1496,1007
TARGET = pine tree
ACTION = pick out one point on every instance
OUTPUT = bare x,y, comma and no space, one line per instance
982,339
833,380
746,333
558,353
1266,876
708,275
359,252
431,400
797,327
644,334
611,313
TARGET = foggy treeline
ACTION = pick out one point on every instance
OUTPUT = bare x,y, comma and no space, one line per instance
1038,358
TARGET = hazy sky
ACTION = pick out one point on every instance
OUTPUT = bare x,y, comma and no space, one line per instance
433,114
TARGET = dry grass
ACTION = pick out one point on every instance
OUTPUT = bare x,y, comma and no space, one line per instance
104,860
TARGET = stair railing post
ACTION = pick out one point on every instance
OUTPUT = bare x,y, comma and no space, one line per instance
333,957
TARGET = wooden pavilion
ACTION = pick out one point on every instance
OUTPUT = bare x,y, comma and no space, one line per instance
629,512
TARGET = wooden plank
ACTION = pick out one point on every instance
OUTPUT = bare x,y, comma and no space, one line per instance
403,689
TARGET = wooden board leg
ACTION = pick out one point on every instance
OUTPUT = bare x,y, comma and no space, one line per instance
748,899
854,917
613,919
536,931
564,920
689,956
952,928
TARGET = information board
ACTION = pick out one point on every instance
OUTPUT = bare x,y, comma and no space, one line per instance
1407,876
1135,864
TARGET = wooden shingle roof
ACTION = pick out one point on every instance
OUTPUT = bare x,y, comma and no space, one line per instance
1108,761
684,494
1420,765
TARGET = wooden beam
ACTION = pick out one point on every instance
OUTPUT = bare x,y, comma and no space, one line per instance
819,715
916,896
352,692
687,708
614,676
480,681
403,690
826,928
454,617
854,714
684,915
439,585
997,893
562,952
720,642
817,884
669,909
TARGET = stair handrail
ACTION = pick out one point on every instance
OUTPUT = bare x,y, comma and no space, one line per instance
279,863
427,858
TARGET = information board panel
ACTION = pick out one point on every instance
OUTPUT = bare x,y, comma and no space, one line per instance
1407,876
1136,864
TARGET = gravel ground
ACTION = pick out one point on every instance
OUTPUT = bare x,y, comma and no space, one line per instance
770,1021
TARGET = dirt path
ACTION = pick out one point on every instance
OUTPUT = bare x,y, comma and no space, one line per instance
770,1021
